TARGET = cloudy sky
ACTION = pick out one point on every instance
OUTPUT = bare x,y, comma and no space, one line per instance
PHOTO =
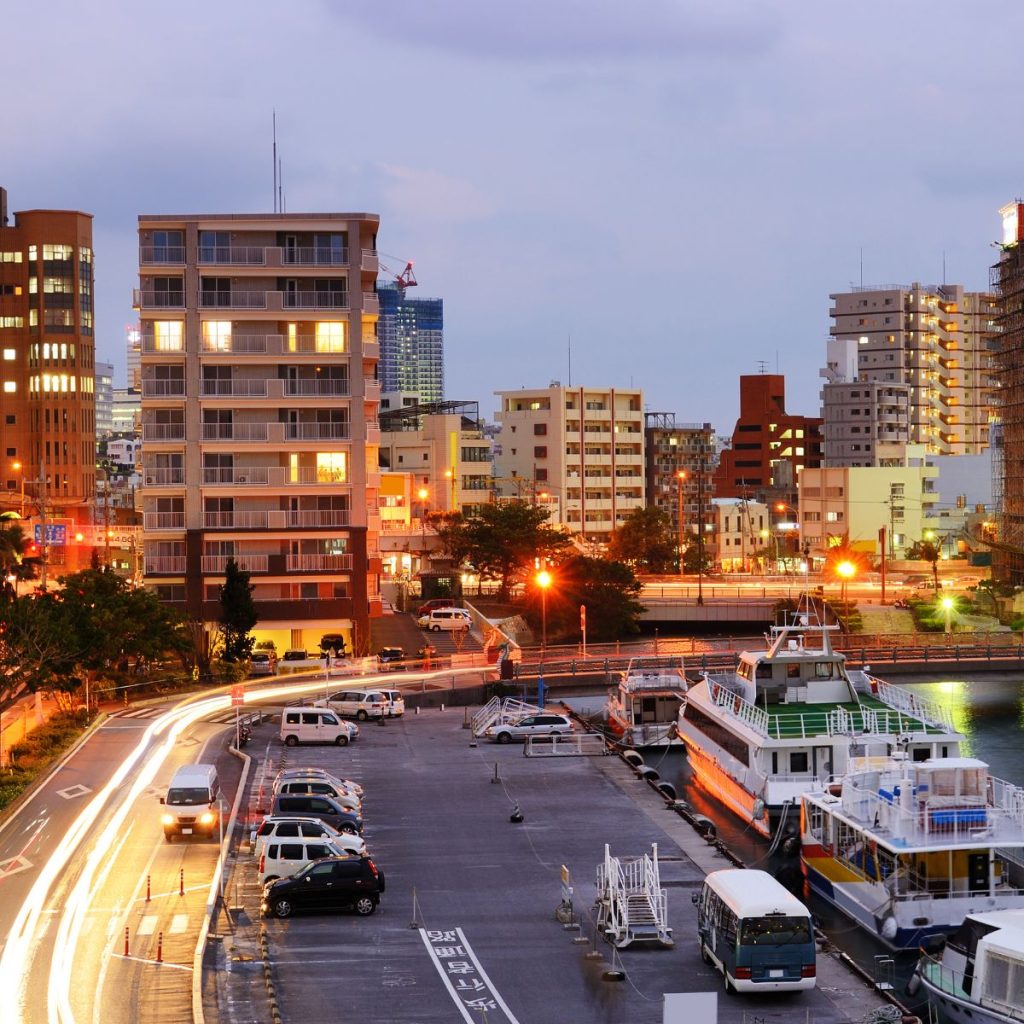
674,185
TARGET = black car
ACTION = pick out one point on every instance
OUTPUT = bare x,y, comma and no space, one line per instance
333,644
331,883
390,659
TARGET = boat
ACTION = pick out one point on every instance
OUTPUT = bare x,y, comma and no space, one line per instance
978,976
907,849
792,714
642,711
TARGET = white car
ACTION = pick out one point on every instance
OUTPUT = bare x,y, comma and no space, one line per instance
321,773
541,724
309,828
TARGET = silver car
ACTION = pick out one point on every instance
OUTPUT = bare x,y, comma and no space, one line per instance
541,724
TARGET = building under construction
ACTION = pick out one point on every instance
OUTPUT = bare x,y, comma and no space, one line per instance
1008,282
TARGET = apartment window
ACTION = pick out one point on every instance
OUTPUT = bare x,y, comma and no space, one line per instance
168,247
216,291
540,429
332,467
9,354
541,476
10,257
217,335
214,247
330,336
10,387
168,335
540,452
330,249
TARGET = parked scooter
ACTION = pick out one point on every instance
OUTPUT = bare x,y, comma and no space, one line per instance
244,735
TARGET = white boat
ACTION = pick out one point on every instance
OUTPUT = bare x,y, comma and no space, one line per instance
908,849
642,711
793,714
978,978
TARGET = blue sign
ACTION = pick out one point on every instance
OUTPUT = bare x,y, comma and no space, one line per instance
56,533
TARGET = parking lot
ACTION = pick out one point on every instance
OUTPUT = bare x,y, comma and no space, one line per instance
466,929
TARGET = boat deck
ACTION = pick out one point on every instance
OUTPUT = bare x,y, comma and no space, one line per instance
789,721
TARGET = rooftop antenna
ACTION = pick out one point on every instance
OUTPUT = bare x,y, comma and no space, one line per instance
762,366
280,188
275,160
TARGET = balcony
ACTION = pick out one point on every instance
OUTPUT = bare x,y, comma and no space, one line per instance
318,563
241,388
146,298
318,256
163,389
369,261
256,520
371,304
233,255
217,564
163,431
314,386
319,517
164,477
319,432
162,255
274,476
163,521
275,519
315,300
233,299
151,346
236,431
165,565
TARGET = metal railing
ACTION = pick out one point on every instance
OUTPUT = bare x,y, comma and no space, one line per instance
164,476
240,388
313,386
163,521
233,255
315,300
318,563
249,563
742,710
233,299
161,254
163,388
235,431
313,256
164,565
318,431
163,431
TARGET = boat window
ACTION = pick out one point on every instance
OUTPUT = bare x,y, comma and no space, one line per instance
797,761
743,671
823,669
764,670
793,670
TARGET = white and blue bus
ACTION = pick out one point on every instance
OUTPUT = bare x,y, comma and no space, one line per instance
757,933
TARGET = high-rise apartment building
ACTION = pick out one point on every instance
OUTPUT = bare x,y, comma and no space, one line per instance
47,398
411,332
133,356
104,399
259,416
584,444
938,340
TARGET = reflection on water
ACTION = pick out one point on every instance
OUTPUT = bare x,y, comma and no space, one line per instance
988,710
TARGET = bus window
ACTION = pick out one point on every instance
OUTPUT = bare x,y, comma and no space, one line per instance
775,931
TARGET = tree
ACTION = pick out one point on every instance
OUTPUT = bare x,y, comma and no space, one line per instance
645,541
37,649
16,558
692,560
927,551
608,589
503,540
238,614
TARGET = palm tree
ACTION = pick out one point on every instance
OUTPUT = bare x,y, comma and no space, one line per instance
14,557
927,551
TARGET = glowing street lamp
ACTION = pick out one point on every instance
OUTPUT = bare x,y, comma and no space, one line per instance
20,469
543,579
947,604
846,571
423,494
680,478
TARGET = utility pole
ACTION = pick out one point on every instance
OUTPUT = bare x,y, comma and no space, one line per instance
700,527
44,542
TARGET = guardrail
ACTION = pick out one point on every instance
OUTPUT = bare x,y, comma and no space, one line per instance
579,744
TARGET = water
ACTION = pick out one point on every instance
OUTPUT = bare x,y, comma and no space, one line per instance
988,710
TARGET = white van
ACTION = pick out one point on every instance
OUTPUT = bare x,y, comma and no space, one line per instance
361,704
191,806
313,725
283,857
446,618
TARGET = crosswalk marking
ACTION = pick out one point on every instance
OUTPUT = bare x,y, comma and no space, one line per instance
178,924
147,925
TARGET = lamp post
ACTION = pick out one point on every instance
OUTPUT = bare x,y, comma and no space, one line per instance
700,528
423,494
680,477
453,481
543,581
20,469
948,604
846,570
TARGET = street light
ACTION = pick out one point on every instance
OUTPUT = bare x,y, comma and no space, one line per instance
680,477
19,468
543,581
449,475
423,494
948,604
846,570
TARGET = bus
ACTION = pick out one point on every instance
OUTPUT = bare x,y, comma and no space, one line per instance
755,932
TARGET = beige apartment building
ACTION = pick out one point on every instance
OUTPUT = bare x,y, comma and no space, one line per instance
583,445
937,339
259,416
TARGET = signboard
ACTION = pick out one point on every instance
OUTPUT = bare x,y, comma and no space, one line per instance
56,534
237,695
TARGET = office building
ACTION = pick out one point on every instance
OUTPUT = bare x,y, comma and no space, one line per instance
259,416
936,339
104,399
47,371
126,412
585,445
860,415
411,334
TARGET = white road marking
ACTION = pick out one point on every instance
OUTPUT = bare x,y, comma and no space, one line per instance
147,925
179,923
73,791
13,865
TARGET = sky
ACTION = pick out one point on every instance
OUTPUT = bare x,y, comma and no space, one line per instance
669,189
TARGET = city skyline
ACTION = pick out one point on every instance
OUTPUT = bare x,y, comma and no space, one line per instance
584,173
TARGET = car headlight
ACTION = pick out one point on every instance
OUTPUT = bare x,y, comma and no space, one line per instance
166,819
208,818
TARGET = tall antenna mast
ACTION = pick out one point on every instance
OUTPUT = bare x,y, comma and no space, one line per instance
275,160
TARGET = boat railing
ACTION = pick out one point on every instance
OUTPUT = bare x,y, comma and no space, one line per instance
950,981
912,704
653,680
937,974
740,709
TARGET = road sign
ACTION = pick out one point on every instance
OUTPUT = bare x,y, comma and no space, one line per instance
237,695
56,534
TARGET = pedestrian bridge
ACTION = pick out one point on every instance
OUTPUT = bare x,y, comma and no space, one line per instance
713,610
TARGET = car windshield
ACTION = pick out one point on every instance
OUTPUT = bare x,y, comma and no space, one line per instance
188,796
775,931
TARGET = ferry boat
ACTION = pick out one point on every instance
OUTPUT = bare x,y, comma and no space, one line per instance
908,849
793,713
642,711
979,974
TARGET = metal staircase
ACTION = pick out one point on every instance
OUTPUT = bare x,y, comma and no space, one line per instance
631,904
498,711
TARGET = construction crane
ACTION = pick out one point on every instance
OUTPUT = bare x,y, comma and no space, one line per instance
403,280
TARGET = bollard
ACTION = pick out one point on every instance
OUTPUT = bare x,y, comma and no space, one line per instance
147,889
417,709
160,948
181,883
497,778
126,942
442,707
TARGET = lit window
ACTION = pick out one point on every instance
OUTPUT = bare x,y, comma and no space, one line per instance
10,387
10,257
167,335
46,382
331,467
56,252
217,335
33,253
10,354
330,336
293,334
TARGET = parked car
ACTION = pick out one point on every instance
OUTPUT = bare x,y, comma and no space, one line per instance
333,645
361,704
323,807
543,724
262,663
322,773
391,659
266,645
435,602
315,725
322,788
295,654
308,828
283,857
445,618
394,703
335,883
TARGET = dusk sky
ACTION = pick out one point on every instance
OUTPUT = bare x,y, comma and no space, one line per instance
676,186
